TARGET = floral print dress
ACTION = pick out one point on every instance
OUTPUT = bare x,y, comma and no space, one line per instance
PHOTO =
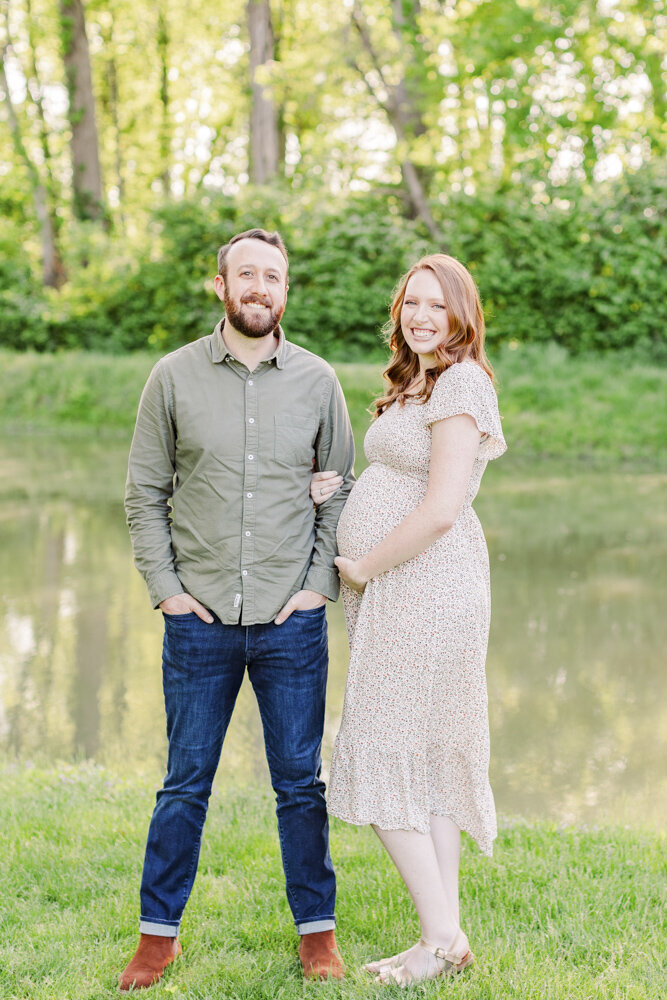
414,735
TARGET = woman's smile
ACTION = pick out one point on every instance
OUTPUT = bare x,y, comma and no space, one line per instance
424,318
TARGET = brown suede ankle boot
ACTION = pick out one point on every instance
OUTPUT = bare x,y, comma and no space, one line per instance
320,956
149,961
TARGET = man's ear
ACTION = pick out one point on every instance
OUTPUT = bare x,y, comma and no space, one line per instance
219,286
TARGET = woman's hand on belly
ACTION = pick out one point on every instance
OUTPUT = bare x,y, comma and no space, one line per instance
351,573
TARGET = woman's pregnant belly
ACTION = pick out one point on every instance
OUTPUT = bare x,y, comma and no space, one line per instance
379,500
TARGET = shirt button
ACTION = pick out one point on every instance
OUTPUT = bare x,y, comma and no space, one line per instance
251,420
250,458
249,496
244,572
247,534
250,382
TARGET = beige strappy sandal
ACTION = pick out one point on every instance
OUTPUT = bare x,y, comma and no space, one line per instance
453,965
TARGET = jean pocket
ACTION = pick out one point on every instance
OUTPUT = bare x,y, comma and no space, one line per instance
310,611
186,614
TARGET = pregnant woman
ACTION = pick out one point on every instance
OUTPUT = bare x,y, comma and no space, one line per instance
412,754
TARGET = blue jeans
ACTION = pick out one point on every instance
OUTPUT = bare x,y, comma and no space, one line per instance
203,667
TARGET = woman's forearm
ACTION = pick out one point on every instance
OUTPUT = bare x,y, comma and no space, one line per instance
454,446
413,535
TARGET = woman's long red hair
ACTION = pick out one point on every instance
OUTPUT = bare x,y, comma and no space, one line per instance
466,331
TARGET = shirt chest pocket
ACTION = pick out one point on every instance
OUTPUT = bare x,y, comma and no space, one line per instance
294,439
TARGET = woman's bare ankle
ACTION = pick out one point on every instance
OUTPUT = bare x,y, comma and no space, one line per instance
454,942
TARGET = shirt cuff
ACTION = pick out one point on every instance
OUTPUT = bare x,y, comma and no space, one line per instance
162,586
322,581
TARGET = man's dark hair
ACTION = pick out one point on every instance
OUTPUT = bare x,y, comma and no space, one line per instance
274,239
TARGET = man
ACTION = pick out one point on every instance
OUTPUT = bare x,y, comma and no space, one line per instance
228,430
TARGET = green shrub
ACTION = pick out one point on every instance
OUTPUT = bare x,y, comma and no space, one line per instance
586,271
21,298
583,270
343,271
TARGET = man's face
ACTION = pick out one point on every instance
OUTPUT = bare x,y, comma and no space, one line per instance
255,291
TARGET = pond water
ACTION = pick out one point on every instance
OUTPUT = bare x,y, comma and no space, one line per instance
576,654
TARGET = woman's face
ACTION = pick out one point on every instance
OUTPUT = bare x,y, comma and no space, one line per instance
424,320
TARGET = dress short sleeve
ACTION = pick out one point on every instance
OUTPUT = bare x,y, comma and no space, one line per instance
466,388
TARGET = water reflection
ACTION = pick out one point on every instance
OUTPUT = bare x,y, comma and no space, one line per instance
575,658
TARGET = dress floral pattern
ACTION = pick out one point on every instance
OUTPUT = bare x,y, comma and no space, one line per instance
414,736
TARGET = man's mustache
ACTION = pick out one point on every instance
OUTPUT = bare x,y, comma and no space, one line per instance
261,300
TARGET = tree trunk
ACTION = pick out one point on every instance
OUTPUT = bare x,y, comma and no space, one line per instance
264,138
110,108
112,77
37,94
404,112
405,95
53,271
165,126
401,104
86,172
418,199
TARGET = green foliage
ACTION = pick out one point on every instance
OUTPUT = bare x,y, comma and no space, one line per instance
585,271
582,270
474,95
343,270
20,300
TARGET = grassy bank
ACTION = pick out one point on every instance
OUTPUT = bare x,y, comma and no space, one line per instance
558,913
596,409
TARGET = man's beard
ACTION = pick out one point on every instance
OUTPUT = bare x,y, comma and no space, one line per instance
250,323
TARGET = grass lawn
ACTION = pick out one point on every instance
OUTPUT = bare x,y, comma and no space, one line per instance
599,410
558,913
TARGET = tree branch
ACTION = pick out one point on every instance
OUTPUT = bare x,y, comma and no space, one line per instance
359,22
376,97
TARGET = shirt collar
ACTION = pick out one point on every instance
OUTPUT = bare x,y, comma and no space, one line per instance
220,352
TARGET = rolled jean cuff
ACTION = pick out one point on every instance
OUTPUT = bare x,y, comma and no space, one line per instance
314,926
162,929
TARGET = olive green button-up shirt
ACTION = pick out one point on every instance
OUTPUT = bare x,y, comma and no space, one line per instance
217,494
